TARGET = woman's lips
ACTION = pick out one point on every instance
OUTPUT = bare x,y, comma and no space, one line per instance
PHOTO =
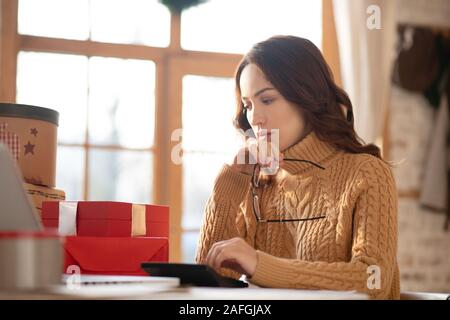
265,133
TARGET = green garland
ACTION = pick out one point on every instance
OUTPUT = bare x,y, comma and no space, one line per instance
177,6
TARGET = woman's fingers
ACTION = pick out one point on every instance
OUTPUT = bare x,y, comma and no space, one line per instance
264,151
228,257
234,254
214,251
219,252
269,154
233,264
253,153
221,256
210,253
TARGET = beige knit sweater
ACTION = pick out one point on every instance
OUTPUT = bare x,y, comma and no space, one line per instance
342,251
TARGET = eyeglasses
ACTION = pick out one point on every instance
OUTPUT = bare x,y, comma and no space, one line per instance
256,205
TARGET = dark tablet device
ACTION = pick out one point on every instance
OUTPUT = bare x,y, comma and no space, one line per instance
191,274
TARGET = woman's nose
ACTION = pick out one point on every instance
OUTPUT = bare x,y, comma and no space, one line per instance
258,116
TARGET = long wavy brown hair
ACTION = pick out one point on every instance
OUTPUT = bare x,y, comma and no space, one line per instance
297,69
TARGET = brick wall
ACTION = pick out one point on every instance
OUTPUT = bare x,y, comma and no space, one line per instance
423,247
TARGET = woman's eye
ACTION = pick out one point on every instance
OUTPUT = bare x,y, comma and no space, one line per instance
267,101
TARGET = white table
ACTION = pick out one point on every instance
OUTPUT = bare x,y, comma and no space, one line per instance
167,289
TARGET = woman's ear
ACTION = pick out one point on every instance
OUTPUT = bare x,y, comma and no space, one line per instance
348,114
344,110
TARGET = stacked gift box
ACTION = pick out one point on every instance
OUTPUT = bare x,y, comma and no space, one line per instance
100,237
30,134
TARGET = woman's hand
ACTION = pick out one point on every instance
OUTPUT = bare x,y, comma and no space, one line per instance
269,158
235,254
242,163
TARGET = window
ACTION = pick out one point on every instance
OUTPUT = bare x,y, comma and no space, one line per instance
235,25
107,116
208,108
122,102
130,21
67,19
145,22
60,82
122,85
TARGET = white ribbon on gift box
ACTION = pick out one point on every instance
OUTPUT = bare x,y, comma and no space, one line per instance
67,225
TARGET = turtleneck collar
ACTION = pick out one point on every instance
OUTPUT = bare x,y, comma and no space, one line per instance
309,148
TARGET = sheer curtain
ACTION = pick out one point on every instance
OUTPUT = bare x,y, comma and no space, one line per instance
366,55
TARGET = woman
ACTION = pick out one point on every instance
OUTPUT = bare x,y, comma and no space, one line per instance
327,218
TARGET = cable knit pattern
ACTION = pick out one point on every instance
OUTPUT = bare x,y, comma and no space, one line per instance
355,194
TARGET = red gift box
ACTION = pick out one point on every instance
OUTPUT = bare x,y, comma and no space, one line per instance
113,255
111,219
